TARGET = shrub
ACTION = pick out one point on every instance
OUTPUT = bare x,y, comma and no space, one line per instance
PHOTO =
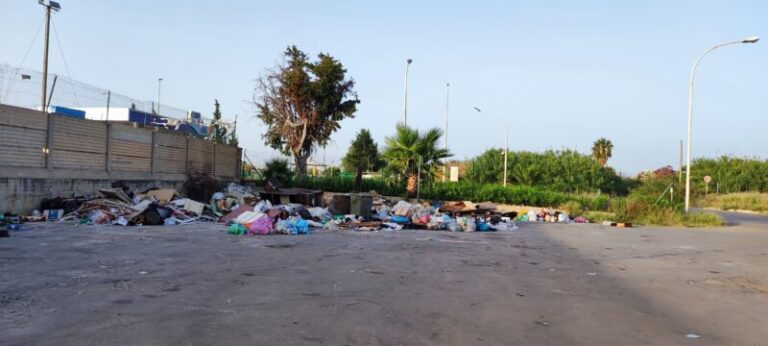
573,208
277,169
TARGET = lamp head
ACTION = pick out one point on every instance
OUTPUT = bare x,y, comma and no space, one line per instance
53,5
410,61
752,39
478,110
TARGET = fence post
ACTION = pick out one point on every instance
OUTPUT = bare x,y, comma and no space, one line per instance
186,160
109,148
239,163
215,146
49,143
152,154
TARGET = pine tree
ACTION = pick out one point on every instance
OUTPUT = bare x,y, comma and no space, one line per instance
216,132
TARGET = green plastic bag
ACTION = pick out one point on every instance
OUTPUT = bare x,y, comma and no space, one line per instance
236,229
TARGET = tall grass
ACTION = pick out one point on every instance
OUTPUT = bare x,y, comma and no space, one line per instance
753,201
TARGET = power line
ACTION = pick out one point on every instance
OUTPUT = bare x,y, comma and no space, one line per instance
66,65
21,64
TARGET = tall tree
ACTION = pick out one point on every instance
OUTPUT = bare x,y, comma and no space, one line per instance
302,103
410,151
602,150
363,155
216,131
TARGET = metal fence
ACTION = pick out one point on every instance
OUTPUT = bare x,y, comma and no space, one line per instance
36,140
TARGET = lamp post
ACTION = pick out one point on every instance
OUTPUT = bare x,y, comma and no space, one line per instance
50,6
159,84
405,93
506,144
445,135
752,39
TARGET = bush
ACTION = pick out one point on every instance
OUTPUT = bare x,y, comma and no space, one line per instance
347,184
524,195
573,208
563,171
277,169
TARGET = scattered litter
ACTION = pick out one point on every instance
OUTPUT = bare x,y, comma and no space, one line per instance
143,272
693,336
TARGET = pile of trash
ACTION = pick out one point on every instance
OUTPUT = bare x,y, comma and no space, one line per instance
245,212
549,215
455,216
262,218
120,206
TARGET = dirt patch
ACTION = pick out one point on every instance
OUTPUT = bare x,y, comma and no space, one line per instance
739,284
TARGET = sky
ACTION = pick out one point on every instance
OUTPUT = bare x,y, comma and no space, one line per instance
560,73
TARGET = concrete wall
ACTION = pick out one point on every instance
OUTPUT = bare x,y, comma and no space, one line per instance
46,155
22,189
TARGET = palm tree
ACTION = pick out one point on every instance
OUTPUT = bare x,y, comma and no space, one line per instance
602,151
411,151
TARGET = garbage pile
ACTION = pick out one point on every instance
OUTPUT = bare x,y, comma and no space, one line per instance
455,216
262,218
549,215
246,213
120,206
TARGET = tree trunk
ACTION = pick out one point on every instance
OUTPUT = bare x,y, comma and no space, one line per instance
412,184
359,180
301,164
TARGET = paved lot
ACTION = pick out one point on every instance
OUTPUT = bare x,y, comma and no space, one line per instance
540,285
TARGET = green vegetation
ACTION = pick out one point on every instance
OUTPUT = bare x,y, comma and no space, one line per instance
730,175
564,171
754,201
216,132
278,170
347,184
363,155
302,103
331,171
410,152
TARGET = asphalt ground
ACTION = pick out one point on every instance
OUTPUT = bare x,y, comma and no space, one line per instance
543,284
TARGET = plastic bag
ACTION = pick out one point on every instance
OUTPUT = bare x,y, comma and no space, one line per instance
532,217
263,206
293,225
400,219
261,226
236,229
321,213
467,224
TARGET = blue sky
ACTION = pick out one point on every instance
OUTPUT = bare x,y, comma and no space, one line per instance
561,73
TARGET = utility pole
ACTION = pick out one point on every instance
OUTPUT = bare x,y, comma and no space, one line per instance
49,7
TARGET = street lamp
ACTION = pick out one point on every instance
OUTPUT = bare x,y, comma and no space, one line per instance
445,135
55,7
506,144
159,84
405,93
752,39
